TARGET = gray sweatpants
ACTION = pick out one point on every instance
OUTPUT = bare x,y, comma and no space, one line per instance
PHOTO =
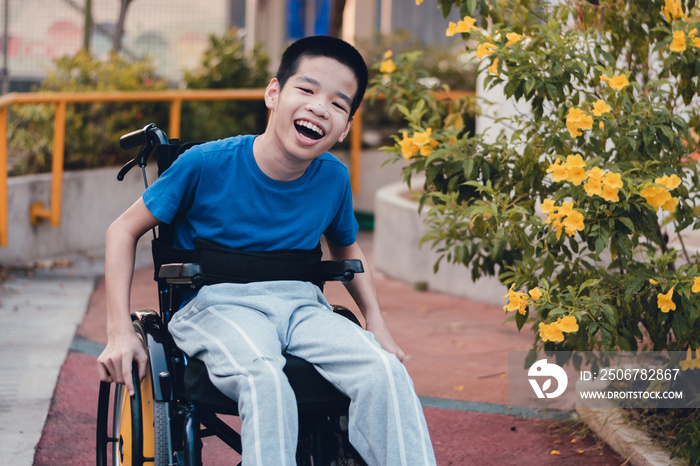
240,331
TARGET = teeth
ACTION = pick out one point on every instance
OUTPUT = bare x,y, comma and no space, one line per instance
310,126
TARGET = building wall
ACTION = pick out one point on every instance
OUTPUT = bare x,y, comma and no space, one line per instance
173,32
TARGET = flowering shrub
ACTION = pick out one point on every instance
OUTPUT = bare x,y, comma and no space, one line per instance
574,207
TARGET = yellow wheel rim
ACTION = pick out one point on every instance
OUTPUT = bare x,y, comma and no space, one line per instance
124,434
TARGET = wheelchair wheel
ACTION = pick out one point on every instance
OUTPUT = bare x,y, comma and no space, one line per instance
136,443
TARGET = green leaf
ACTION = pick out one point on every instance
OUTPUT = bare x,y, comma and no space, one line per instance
589,282
520,320
634,285
627,222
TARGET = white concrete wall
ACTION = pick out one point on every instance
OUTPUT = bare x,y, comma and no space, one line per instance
398,228
91,201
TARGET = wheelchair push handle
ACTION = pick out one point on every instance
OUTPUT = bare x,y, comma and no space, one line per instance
148,138
135,138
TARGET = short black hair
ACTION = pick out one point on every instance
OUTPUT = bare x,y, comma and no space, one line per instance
330,47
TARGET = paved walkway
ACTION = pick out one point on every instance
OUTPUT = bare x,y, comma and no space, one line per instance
457,357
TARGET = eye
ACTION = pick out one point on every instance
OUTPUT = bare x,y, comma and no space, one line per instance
305,90
340,107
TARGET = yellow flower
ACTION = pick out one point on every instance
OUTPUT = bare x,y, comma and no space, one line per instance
388,54
493,69
468,23
387,67
408,146
689,363
618,82
418,2
516,301
464,26
550,332
696,42
535,293
673,9
573,222
557,170
678,43
484,49
572,170
425,142
513,38
670,205
451,29
659,198
575,172
547,206
696,285
566,208
665,301
669,182
567,324
565,218
612,182
594,185
653,282
576,120
605,185
574,162
600,107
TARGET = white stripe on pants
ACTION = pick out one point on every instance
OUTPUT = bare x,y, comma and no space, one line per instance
240,332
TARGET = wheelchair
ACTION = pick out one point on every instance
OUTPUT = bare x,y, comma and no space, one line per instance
176,406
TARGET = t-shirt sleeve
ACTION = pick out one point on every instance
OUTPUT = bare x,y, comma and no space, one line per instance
343,228
174,190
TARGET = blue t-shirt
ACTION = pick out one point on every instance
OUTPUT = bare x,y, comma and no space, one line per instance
216,191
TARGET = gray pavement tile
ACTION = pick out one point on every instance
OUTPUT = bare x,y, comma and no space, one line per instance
38,319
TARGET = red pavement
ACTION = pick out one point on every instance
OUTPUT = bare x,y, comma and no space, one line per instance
458,351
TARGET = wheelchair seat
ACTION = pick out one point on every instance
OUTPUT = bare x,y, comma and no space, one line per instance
312,391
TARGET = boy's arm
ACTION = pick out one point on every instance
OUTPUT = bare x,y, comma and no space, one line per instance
123,346
364,293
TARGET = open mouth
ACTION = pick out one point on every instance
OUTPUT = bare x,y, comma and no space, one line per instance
309,129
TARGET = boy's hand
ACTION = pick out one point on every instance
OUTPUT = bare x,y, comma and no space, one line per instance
384,338
114,364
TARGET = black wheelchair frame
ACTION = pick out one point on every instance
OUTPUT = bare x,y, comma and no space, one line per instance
176,405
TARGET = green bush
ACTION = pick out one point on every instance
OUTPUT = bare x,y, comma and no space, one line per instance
443,68
573,207
92,130
225,65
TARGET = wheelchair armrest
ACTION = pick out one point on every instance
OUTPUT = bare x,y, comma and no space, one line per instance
181,274
191,273
342,270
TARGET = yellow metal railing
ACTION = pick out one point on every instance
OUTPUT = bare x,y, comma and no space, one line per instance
39,212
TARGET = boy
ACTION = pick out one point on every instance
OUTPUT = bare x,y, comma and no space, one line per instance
279,190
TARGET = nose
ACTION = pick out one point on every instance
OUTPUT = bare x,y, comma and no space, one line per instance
318,108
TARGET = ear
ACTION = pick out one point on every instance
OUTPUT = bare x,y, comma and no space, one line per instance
271,93
347,129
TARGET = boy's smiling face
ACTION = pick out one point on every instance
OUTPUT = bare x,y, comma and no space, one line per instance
312,111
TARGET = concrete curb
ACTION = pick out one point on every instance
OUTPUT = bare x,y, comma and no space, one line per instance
628,441
398,229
